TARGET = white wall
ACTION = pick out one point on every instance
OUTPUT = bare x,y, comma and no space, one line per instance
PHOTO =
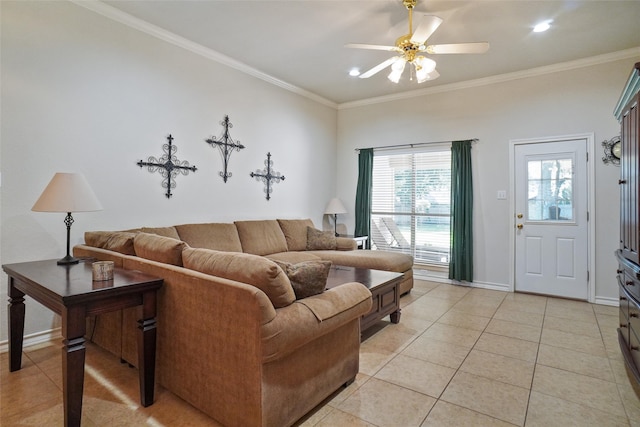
561,103
82,93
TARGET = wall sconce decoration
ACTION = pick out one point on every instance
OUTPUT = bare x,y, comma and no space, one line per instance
612,151
168,165
226,145
266,175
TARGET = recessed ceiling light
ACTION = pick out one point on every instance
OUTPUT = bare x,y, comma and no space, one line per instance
354,72
542,26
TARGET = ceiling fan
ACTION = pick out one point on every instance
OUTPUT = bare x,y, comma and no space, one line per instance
410,45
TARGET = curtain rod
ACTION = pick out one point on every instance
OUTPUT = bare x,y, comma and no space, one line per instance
473,140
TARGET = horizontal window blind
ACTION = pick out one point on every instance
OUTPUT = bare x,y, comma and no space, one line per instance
411,203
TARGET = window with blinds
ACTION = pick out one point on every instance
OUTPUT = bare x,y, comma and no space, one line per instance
411,203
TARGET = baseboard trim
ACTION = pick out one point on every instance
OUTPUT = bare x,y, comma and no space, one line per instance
34,339
613,302
493,286
420,274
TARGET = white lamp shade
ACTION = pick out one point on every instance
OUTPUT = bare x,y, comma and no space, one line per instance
335,206
67,192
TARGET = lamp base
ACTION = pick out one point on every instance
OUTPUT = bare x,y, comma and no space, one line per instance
68,260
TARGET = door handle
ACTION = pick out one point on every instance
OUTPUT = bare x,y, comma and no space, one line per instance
519,226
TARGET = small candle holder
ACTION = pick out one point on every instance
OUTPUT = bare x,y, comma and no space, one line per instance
102,271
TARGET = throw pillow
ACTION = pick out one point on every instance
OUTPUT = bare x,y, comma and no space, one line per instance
307,278
159,248
320,240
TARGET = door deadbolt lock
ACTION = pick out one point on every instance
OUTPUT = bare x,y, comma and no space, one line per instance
519,215
519,226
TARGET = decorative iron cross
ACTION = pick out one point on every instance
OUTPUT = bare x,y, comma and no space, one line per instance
226,146
168,165
266,175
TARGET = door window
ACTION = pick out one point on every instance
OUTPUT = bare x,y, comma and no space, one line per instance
550,189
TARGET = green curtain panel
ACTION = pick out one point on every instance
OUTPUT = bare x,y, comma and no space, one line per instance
461,263
363,195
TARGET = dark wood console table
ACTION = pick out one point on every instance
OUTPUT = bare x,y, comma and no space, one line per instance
69,291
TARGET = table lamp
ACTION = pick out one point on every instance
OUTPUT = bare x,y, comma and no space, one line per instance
335,207
67,192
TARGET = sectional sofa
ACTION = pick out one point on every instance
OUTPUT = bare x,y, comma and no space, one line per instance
233,339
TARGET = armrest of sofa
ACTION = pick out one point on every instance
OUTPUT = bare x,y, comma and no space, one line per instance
346,244
209,336
309,318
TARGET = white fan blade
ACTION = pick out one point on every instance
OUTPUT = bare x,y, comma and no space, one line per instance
370,46
480,47
379,67
428,25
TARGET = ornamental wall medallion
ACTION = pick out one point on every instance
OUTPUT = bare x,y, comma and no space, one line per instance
612,151
168,165
267,175
226,145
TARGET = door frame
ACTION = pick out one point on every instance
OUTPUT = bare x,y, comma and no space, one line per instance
591,205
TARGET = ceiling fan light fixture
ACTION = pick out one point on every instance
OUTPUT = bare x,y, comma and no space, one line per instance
396,70
422,77
423,63
394,76
408,46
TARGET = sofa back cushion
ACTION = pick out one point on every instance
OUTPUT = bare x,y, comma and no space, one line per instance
216,236
295,233
118,241
162,231
261,237
246,268
159,248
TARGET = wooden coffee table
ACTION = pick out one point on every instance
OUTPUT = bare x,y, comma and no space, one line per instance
383,286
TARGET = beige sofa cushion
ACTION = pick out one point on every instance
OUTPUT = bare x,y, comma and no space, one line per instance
346,244
375,260
295,233
118,241
162,231
246,268
293,257
261,237
159,248
216,236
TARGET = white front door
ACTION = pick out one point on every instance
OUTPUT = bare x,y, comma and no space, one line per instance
551,236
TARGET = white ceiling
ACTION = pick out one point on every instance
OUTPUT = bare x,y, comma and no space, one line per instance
300,42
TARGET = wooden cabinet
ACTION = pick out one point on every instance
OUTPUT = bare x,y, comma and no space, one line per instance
628,255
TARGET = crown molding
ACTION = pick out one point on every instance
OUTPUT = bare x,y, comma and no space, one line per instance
533,72
117,15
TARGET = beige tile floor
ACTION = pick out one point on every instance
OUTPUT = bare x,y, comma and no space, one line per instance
458,357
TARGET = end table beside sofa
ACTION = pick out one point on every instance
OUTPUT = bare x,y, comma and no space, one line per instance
232,339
